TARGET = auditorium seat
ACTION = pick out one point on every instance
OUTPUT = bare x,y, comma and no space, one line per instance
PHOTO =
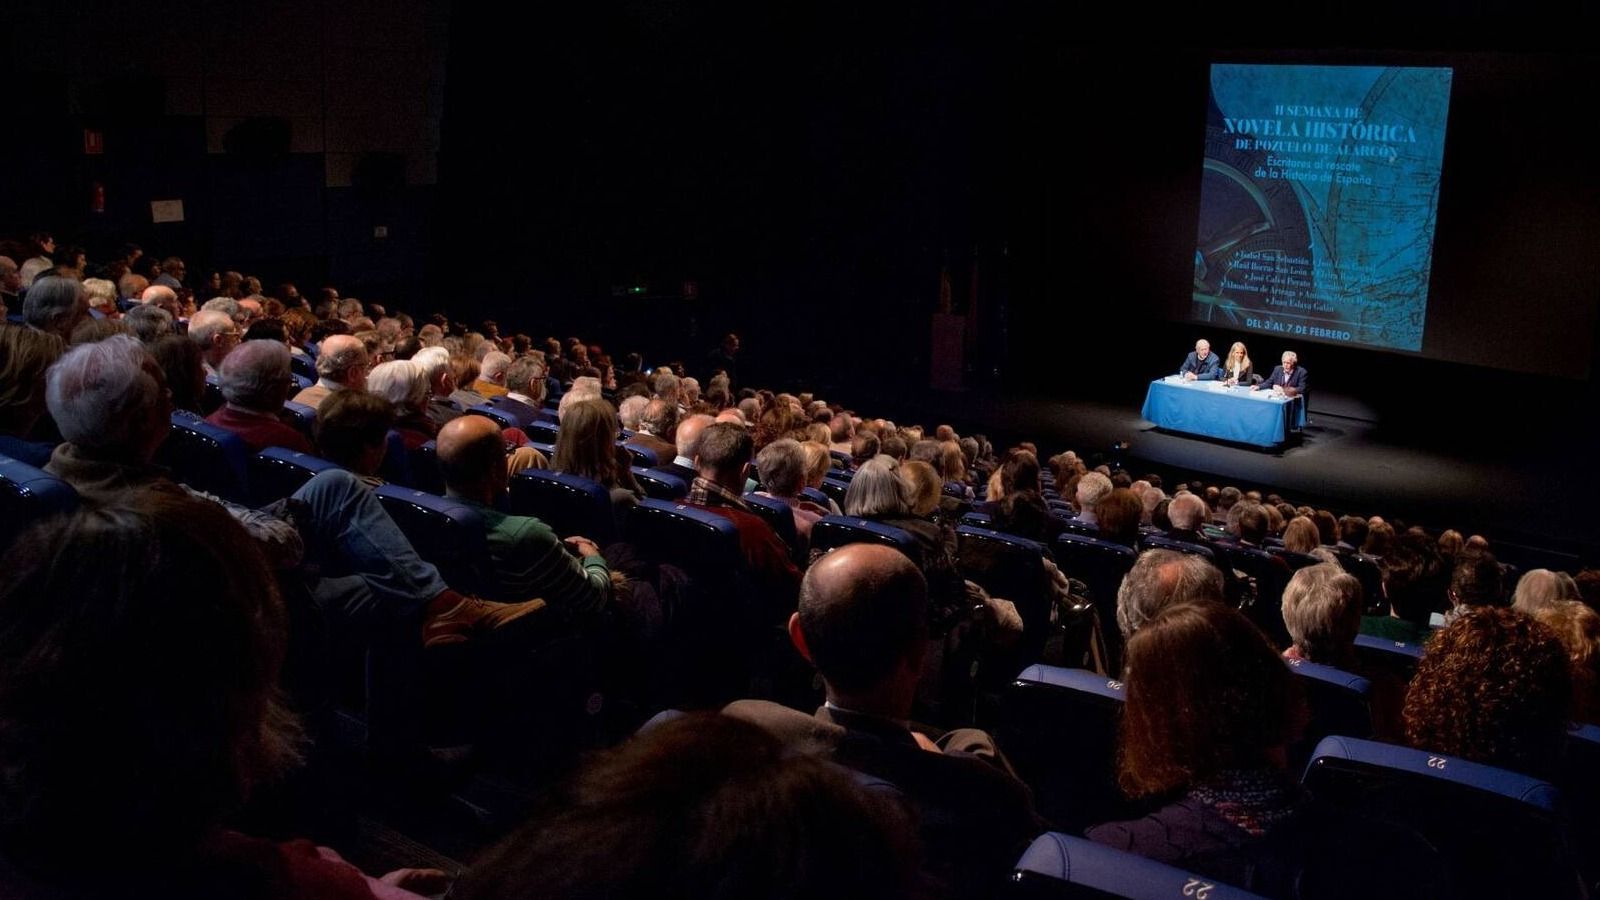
276,473
303,366
1074,525
301,416
686,536
425,472
1270,576
446,532
1339,703
211,398
501,417
951,489
28,495
1059,730
977,519
1059,865
1580,785
841,457
1397,659
521,421
815,495
835,488
301,382
1499,832
396,465
1296,561
1162,542
569,504
1366,570
206,458
1100,565
642,456
660,485
541,432
777,514
836,531
1010,567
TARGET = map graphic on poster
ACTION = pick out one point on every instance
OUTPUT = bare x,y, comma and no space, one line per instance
1318,200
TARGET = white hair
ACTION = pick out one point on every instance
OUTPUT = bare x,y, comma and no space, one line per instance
97,392
1186,512
631,410
584,388
1091,488
431,361
1537,589
1322,611
400,382
878,490
102,293
494,368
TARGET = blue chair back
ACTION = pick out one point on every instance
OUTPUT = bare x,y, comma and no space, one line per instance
642,456
841,456
659,484
569,504
1074,525
1100,565
396,466
276,473
499,403
835,489
301,416
211,398
541,432
1162,542
977,519
500,416
29,495
1011,567
425,472
776,514
815,496
304,367
301,382
1580,785
445,532
1270,576
1296,561
1339,703
1367,644
684,535
1059,728
1498,831
207,458
836,531
1060,865
843,475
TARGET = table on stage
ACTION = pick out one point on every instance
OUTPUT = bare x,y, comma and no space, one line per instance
1213,409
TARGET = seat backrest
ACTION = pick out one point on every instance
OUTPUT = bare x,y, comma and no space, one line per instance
977,519
446,532
1365,569
1059,728
1296,561
304,366
211,398
1497,831
955,489
207,458
303,417
500,416
1060,865
425,472
1079,527
1368,644
1101,566
660,485
1339,703
1162,542
642,456
1270,577
835,488
776,514
836,531
515,414
569,504
816,496
396,466
1011,567
541,432
276,473
684,535
301,382
29,495
1580,785
841,456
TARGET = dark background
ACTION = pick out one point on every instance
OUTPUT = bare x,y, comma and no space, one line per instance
807,171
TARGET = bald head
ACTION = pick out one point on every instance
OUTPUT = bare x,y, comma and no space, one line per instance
472,458
162,297
863,621
343,360
689,434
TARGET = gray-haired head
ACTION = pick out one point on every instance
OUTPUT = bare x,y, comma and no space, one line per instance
149,323
255,376
1162,578
107,395
1322,611
401,382
878,490
55,304
782,465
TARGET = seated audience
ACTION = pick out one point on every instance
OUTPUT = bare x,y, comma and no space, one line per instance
216,334
658,420
1091,487
1021,510
1477,580
434,364
148,323
352,430
685,437
1495,687
1578,627
1163,578
1416,585
255,381
1300,535
586,446
1118,514
492,375
927,489
151,619
862,621
1538,589
722,459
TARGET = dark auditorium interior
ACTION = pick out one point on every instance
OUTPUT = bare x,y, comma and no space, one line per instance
655,449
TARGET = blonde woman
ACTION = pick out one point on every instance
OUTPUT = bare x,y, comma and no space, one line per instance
1236,369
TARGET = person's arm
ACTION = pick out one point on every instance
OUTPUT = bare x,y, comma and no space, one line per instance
1190,363
580,587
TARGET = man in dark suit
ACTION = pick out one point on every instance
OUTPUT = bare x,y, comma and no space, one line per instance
1202,364
863,621
1288,379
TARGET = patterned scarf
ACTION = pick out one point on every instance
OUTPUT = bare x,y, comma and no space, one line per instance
1254,800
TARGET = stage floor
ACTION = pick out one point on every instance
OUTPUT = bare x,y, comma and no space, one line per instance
1530,494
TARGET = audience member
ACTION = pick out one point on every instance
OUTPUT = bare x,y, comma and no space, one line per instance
781,465
403,384
342,363
180,360
56,305
722,459
657,423
1163,578
1322,610
1416,585
586,446
255,381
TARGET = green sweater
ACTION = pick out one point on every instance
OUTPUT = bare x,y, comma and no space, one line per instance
530,561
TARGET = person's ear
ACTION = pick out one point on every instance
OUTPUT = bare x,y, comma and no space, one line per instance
798,637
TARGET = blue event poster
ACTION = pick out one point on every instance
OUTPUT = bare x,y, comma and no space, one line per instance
1318,199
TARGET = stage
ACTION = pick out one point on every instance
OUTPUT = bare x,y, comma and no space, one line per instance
1531,495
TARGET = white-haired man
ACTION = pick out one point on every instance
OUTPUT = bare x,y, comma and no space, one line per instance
255,381
1287,379
434,363
492,375
216,333
1091,487
342,363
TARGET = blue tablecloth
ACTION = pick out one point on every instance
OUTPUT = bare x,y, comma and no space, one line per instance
1232,414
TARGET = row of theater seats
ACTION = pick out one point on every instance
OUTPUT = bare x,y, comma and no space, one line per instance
1501,833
